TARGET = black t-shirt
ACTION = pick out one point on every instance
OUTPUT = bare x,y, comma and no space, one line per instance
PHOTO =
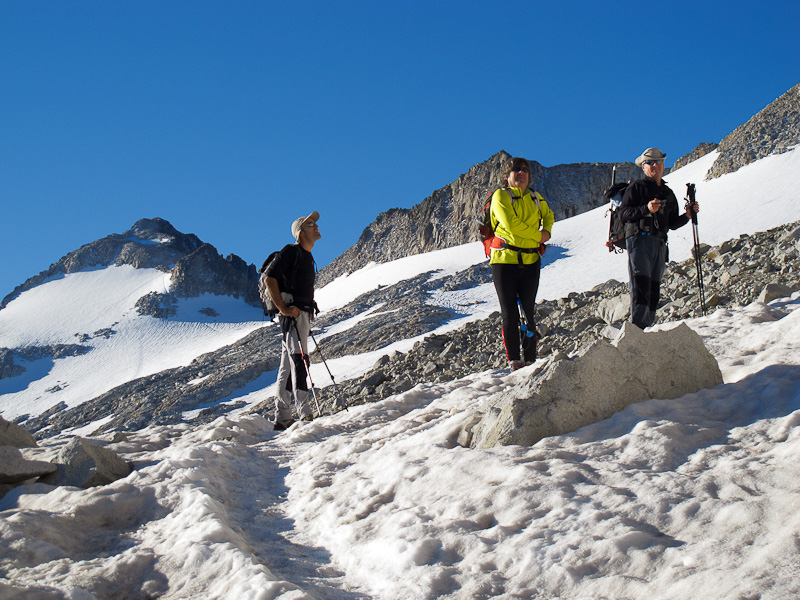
295,272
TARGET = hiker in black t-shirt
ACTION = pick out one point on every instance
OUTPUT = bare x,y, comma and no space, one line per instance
649,208
290,282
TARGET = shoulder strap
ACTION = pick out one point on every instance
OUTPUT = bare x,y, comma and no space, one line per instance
537,197
511,195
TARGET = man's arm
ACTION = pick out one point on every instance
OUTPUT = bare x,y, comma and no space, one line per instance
275,295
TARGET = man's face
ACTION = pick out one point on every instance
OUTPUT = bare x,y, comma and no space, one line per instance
653,169
310,230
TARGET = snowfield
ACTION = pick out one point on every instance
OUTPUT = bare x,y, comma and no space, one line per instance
697,497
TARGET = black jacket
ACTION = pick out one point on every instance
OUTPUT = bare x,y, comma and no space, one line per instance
638,219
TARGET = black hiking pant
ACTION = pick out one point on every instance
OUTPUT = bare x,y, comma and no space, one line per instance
517,282
646,261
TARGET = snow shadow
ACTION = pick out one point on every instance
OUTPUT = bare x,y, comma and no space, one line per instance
34,371
705,418
552,254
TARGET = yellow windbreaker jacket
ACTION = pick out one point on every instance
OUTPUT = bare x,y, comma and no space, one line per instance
519,223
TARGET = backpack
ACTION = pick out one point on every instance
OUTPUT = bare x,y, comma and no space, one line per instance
486,230
270,310
616,228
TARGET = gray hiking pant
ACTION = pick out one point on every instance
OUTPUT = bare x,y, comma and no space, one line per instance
646,261
292,373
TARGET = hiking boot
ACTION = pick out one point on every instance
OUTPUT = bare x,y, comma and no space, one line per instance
518,364
283,425
307,418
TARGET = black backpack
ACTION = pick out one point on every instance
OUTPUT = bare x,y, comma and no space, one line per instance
616,228
269,306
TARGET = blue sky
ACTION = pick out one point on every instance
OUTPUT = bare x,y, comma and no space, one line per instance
230,119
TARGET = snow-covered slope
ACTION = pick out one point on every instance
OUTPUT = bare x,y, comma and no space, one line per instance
688,498
96,308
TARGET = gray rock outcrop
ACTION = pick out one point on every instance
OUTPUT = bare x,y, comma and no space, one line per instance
14,468
8,356
12,434
83,464
773,130
567,394
204,271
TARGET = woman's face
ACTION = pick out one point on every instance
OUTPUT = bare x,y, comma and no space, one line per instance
519,179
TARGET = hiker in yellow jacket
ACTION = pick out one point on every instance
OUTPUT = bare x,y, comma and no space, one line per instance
522,222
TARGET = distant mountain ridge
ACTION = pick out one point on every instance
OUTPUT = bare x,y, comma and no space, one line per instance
196,267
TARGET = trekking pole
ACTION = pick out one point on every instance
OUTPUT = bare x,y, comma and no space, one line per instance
307,363
523,322
523,325
325,362
690,201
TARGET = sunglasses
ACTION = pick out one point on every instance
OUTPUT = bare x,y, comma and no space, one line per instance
311,224
520,170
650,163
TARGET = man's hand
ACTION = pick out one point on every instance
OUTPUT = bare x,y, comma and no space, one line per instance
654,205
277,299
290,311
545,236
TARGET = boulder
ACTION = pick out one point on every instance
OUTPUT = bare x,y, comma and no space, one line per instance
773,291
15,468
12,434
82,464
566,394
613,310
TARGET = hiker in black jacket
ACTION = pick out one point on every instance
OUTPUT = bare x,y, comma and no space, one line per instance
649,208
290,282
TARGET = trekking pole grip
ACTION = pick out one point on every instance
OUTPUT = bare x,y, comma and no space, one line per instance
690,201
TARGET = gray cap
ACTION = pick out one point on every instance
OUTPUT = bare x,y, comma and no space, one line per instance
650,154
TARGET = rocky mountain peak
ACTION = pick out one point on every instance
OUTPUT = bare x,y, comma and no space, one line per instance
155,243
773,130
156,229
